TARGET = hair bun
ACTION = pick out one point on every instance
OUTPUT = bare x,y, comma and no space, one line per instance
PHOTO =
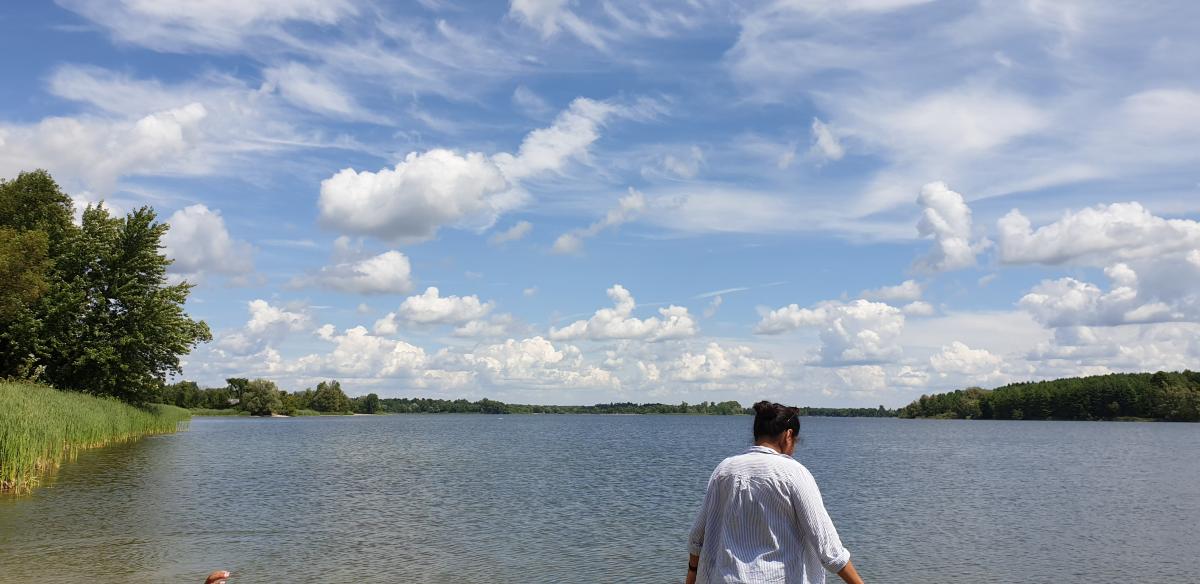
762,406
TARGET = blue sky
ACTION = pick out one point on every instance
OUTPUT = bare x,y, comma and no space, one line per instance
825,203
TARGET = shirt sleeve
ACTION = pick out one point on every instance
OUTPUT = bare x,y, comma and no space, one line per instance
696,538
815,523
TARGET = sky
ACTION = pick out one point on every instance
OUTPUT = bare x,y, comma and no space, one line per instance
824,203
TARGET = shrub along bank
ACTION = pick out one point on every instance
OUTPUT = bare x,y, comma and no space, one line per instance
40,427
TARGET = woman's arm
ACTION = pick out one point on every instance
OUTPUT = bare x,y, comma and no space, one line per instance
693,565
849,574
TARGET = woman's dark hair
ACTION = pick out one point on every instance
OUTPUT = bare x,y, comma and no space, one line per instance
772,419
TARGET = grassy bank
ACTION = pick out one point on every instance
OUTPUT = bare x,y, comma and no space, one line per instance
40,427
212,412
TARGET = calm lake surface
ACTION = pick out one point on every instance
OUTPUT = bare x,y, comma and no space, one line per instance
473,498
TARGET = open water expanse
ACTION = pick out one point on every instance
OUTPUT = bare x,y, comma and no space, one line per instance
476,498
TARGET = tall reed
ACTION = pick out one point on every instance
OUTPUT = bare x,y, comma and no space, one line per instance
40,427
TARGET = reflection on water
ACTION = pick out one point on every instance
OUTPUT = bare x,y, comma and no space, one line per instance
467,498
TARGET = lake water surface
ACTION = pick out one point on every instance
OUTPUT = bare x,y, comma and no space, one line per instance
475,498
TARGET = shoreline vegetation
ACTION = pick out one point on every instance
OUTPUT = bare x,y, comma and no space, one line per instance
1162,396
42,427
261,397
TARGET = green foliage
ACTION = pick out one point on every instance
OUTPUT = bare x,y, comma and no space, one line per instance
367,404
24,265
261,398
40,427
93,311
215,412
1160,396
330,398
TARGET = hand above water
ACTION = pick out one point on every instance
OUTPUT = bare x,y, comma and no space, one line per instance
217,577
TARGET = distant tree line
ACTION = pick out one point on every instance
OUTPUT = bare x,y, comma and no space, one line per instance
491,406
1172,396
261,397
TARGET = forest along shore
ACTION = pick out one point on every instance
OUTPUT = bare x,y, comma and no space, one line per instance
1166,396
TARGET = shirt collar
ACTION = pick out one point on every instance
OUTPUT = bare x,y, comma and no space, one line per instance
762,449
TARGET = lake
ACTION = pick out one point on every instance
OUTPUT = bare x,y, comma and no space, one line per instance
589,498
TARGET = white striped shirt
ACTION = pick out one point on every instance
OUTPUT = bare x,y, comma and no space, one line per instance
763,521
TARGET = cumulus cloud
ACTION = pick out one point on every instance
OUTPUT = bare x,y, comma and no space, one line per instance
498,325
267,324
618,322
907,290
432,308
534,361
517,232
387,273
422,193
946,218
359,354
857,332
99,151
1070,302
1097,235
719,363
428,190
198,243
960,360
628,208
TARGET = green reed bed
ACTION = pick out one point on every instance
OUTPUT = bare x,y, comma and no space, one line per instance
40,427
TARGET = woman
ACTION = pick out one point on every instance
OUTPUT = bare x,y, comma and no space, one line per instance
763,519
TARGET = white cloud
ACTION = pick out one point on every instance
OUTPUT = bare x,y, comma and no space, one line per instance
960,360
313,91
825,145
387,273
535,361
568,138
684,166
439,187
628,208
918,308
718,363
946,218
267,324
515,233
713,305
97,151
863,378
179,25
432,308
907,290
530,292
1095,236
550,17
618,322
499,325
359,354
1070,302
422,193
529,101
198,243
857,332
